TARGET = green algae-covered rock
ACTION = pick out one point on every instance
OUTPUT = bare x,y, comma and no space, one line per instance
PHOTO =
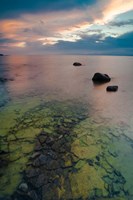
20,132
63,154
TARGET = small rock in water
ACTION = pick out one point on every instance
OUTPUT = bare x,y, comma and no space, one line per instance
77,64
112,88
23,187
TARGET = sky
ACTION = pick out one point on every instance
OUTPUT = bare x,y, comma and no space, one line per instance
97,27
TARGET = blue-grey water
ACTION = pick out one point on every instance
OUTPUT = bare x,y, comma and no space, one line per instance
104,142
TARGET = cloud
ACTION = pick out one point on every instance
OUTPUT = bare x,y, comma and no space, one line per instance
113,8
77,25
121,23
94,44
15,8
123,41
89,44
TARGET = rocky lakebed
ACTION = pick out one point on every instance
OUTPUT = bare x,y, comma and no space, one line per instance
55,150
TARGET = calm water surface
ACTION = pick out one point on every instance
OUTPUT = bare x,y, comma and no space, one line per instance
92,127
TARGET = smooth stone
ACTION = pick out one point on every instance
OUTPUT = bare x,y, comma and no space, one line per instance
53,164
101,78
41,180
42,138
23,187
38,146
51,154
30,173
112,88
77,64
50,141
42,159
35,155
56,146
32,194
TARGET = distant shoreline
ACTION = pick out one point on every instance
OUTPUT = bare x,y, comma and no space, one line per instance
61,54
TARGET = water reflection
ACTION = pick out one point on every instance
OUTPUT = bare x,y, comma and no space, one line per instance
56,77
93,141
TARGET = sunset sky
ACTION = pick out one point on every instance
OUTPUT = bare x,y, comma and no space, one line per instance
66,26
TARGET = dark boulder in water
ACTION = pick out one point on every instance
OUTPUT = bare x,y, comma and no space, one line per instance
77,64
112,88
101,78
1,54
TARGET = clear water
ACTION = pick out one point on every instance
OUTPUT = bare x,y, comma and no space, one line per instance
101,139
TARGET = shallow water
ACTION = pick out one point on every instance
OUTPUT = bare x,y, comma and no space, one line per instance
92,130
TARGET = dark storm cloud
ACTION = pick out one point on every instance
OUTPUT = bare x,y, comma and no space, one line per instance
14,8
121,23
93,44
123,41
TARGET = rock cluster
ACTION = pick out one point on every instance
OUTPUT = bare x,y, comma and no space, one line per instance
53,162
100,78
46,166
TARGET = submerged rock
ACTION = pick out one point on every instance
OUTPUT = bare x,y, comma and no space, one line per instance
101,78
23,187
35,155
33,195
112,88
4,158
77,64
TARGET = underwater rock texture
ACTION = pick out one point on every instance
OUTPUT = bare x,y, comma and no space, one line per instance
55,151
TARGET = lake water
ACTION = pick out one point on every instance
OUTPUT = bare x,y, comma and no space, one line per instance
61,136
